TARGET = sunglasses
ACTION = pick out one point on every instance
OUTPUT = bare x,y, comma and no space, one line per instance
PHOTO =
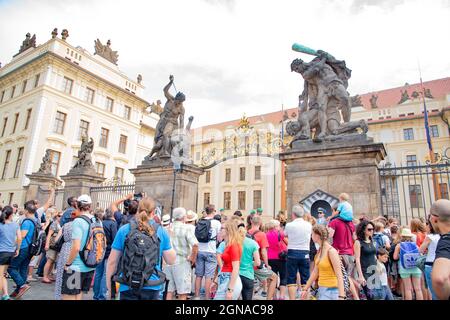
369,229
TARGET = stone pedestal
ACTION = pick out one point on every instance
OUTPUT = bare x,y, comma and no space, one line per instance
156,178
80,182
39,186
347,165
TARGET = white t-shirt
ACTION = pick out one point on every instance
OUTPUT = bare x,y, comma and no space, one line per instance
381,271
431,254
211,245
299,234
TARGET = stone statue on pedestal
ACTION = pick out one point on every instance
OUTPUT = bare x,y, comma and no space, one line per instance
46,165
29,42
171,119
84,155
324,105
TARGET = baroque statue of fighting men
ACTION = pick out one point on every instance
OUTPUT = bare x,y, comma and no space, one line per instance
170,124
84,154
324,105
105,51
46,164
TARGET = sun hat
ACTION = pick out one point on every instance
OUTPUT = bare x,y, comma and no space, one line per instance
406,233
191,216
252,212
259,210
165,220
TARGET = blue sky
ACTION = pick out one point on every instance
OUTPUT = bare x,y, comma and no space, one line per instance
231,57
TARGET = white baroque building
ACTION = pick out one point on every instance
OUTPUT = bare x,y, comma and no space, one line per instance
50,95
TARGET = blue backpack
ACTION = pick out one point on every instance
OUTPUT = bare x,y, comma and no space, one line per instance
379,241
409,255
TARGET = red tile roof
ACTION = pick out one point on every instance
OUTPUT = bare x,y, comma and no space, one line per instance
386,99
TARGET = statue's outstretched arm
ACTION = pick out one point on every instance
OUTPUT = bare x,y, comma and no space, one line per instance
166,89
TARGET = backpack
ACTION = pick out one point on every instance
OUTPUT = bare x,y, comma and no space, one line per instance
409,255
139,259
38,240
94,250
379,241
252,236
203,231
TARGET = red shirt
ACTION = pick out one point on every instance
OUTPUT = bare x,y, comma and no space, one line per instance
230,254
420,237
343,236
260,238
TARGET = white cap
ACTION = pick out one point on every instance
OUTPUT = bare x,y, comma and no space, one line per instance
85,199
165,220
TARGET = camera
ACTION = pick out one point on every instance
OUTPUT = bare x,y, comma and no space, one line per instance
126,204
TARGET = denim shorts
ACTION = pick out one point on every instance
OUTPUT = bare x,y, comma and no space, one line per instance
206,264
325,293
297,262
223,281
384,293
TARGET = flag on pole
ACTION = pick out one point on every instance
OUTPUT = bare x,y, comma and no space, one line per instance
427,127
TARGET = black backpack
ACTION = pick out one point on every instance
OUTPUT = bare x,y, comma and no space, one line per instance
37,244
139,259
252,236
203,231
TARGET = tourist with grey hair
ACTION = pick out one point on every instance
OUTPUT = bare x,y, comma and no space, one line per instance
185,244
298,232
110,228
440,276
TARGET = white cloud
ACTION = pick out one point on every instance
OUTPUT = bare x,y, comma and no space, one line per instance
231,57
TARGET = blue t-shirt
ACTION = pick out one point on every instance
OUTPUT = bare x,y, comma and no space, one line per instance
66,216
119,245
80,231
8,232
29,226
345,211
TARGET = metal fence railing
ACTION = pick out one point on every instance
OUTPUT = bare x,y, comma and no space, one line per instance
407,192
103,196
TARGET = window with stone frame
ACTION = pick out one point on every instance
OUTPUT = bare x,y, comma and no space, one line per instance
36,80
100,168
241,200
18,162
109,104
257,172
60,121
6,164
415,196
227,174
89,95
242,174
67,85
123,144
434,131
16,120
104,136
443,188
55,158
13,90
5,123
257,201
127,112
206,199
227,200
411,160
24,86
84,129
118,173
27,121
408,134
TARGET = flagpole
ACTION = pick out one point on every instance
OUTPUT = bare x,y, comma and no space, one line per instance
437,189
283,177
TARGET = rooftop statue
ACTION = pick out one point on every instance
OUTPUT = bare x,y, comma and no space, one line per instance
106,52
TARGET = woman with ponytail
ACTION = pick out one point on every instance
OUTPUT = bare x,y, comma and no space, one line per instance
144,221
327,268
10,241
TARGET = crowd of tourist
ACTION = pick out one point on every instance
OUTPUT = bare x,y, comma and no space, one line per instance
136,254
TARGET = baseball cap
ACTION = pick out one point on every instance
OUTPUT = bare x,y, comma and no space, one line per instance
84,199
252,212
321,210
259,210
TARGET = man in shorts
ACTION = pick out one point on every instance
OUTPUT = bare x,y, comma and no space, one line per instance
185,245
206,262
77,277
